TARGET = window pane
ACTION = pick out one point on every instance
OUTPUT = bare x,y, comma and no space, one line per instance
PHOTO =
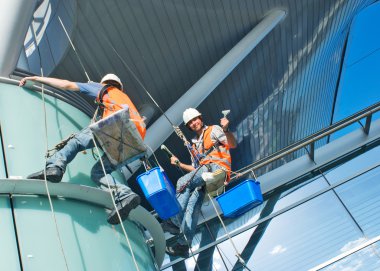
355,165
362,198
305,236
365,259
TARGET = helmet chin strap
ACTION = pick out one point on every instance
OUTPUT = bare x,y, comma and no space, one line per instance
114,84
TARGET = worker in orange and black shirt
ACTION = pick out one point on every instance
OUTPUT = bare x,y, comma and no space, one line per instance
113,99
210,152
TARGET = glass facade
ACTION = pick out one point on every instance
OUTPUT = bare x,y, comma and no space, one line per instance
358,87
303,225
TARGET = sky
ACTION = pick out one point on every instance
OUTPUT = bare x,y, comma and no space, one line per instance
360,80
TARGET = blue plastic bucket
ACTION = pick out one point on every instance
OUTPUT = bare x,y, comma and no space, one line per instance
159,192
241,198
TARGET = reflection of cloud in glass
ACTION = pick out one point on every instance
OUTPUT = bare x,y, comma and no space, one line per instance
278,250
190,263
361,260
217,263
217,266
353,244
354,265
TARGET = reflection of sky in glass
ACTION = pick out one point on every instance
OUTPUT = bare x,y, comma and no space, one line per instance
351,167
315,231
360,80
305,236
299,192
362,197
365,259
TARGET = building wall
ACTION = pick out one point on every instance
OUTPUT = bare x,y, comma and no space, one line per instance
88,242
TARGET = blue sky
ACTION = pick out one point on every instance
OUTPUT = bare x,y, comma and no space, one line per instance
360,81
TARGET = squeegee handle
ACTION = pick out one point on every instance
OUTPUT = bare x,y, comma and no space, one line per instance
167,151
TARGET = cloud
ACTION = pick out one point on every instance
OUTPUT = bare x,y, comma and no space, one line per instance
278,249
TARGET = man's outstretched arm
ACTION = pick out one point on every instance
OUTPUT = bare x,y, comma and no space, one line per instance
53,82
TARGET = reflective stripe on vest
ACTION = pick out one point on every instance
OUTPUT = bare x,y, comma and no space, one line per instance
114,100
219,155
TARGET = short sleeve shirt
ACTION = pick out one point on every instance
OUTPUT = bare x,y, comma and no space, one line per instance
217,135
90,89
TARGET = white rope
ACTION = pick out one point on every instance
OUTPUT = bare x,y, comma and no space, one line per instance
155,158
47,149
240,259
46,183
176,129
227,233
114,205
220,251
75,51
188,243
254,175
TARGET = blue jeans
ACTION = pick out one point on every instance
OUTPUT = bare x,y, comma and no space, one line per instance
83,140
191,199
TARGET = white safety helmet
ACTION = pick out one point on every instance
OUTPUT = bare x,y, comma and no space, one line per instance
112,77
189,114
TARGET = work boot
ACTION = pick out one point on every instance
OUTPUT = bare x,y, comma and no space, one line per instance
53,174
169,226
178,250
124,207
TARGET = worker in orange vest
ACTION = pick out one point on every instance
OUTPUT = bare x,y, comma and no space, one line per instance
111,98
210,152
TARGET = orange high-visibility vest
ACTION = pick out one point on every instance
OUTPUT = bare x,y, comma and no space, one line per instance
219,155
113,100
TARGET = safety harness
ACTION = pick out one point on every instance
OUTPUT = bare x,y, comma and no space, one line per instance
111,99
204,158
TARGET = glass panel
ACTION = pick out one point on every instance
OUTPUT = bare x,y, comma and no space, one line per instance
207,233
355,165
9,259
296,240
299,192
362,198
361,68
365,259
323,229
304,236
89,242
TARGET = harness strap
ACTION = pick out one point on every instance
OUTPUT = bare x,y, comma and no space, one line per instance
208,158
101,106
102,92
182,188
